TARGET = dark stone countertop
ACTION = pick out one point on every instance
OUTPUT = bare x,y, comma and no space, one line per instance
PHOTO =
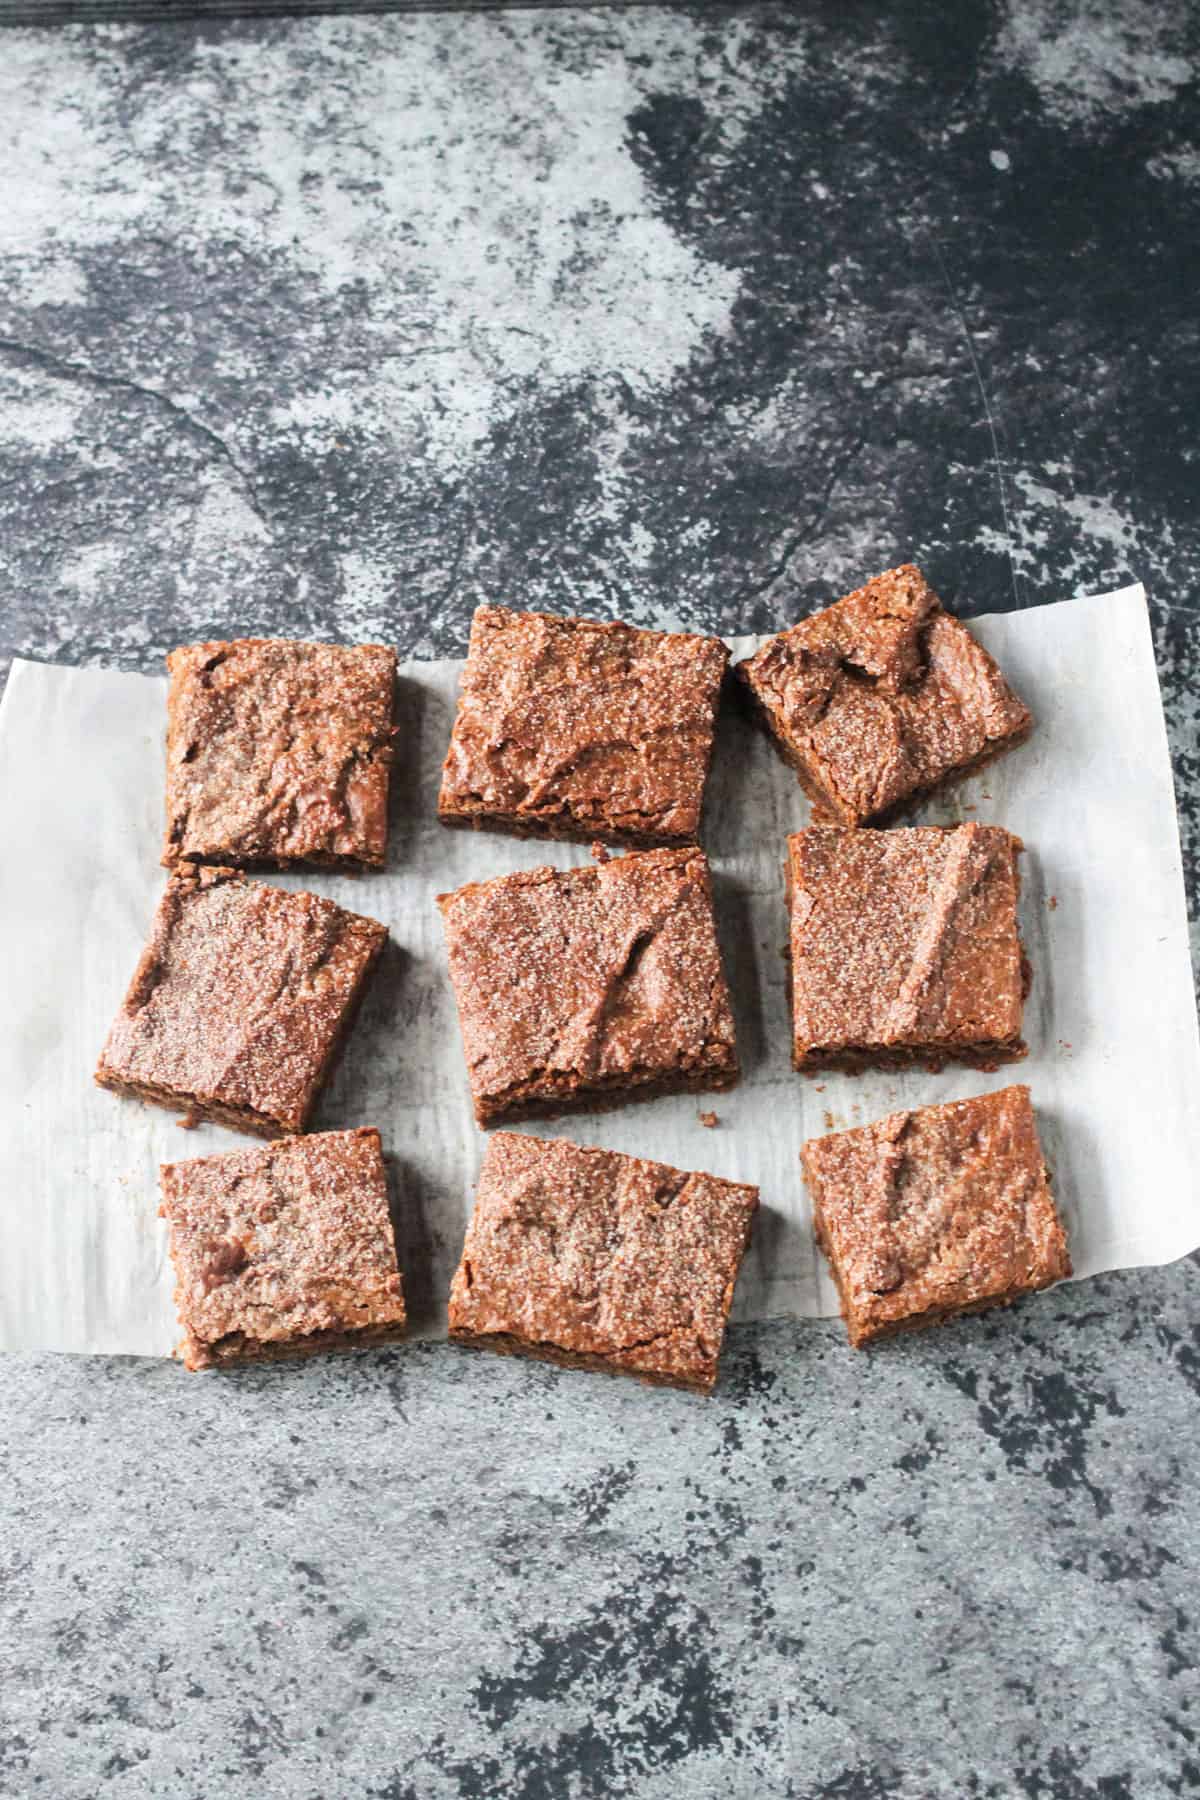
337,327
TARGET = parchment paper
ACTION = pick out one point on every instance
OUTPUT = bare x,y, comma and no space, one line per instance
1111,1022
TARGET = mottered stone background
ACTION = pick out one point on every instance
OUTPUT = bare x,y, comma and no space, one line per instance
695,318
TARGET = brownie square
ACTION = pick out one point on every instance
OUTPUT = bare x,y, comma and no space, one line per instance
589,987
928,1214
570,729
904,947
600,1261
282,1251
240,1001
278,754
882,699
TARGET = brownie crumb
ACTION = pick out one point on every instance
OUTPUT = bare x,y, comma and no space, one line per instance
189,1121
1052,903
709,1120
600,852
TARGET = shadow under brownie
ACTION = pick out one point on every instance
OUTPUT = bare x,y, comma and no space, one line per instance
595,1260
279,754
930,1214
904,947
240,1001
283,1251
882,699
571,729
590,987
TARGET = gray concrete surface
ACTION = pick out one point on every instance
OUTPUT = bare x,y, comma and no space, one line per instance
336,327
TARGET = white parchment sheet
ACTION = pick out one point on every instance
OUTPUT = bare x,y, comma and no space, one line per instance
1114,1063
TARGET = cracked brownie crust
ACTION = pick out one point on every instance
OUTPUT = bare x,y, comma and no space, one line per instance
589,987
927,1215
882,699
600,1261
904,947
282,1251
569,729
239,1001
278,754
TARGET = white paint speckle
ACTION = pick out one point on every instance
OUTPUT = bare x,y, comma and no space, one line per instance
1096,62
223,516
35,414
368,589
55,281
1182,164
642,544
86,571
1000,159
1100,532
498,244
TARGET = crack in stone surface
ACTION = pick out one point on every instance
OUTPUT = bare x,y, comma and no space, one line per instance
62,369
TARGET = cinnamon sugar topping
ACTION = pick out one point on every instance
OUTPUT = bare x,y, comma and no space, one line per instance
282,1249
571,729
278,753
581,985
904,946
604,1261
882,698
239,1000
927,1214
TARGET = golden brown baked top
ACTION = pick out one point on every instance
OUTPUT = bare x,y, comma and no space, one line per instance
936,1210
603,729
281,1243
602,1255
589,972
240,994
904,937
279,752
882,696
